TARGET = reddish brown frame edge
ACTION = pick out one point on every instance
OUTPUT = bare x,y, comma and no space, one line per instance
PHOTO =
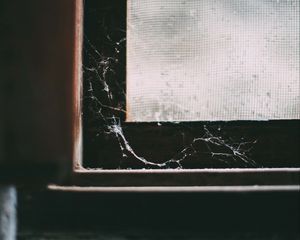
77,90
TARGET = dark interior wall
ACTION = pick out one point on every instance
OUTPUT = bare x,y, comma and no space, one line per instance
36,89
61,215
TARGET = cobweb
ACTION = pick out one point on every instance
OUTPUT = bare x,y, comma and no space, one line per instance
109,115
105,101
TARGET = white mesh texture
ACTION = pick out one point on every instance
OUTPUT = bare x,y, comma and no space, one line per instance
193,60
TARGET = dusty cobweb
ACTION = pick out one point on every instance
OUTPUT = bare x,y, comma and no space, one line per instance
105,98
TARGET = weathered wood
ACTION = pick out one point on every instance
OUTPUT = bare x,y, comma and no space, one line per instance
183,178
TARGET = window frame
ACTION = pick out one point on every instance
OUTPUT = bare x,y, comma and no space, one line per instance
141,180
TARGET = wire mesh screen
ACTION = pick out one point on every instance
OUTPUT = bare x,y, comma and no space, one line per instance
193,60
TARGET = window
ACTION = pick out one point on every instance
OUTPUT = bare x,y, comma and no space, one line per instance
121,153
42,130
212,60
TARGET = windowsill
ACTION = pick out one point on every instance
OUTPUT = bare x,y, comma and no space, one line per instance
177,189
194,180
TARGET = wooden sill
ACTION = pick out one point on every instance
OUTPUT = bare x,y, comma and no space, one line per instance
176,189
263,179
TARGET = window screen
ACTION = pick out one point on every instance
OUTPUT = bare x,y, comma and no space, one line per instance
193,60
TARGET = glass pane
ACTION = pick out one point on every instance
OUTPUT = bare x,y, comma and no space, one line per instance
192,60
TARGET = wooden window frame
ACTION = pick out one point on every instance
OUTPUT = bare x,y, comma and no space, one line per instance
280,178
